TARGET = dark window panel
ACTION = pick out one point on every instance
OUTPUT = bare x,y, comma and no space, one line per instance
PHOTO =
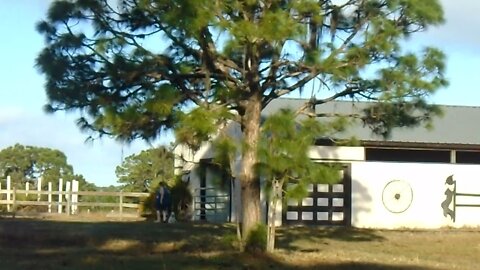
407,155
468,157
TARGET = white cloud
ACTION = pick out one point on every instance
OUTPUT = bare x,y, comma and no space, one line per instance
460,31
10,114
462,22
459,40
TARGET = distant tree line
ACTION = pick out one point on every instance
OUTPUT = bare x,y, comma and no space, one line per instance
140,172
28,163
137,172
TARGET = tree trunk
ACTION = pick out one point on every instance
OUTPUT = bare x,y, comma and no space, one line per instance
271,225
249,181
272,214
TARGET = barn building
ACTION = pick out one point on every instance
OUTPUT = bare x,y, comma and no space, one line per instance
416,178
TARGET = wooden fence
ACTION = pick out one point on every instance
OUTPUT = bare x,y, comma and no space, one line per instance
66,201
68,207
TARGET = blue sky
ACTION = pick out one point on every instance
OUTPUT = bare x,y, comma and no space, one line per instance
23,121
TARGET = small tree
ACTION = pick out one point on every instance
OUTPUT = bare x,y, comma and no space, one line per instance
284,163
136,68
182,200
144,171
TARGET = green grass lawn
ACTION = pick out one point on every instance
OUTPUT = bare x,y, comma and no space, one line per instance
83,244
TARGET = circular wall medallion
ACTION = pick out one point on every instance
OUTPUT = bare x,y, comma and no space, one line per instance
397,196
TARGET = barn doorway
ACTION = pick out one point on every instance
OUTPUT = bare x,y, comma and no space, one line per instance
212,200
324,205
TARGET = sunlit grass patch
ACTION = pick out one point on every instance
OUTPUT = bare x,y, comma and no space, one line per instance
121,245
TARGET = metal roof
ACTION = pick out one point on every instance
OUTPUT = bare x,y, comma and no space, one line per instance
458,125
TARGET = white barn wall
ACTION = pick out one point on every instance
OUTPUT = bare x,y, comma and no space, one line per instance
428,184
194,183
343,153
189,162
186,159
236,202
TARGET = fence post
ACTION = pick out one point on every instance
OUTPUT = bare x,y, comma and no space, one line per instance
39,188
9,192
74,196
121,203
60,197
68,197
49,197
14,199
27,189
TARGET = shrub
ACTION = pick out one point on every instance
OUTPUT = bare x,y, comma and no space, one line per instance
257,239
181,201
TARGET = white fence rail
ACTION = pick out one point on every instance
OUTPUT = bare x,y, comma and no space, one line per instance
66,199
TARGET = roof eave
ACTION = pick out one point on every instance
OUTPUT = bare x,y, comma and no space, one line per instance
420,145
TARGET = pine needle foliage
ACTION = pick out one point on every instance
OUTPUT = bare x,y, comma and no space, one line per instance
284,155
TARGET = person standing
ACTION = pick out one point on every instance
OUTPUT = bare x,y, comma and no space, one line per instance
163,202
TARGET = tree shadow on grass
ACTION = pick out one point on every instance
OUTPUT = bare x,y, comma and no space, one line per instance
226,260
28,244
288,236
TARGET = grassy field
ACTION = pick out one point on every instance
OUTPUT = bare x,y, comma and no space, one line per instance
77,243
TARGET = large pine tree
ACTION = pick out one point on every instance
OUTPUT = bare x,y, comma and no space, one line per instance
135,68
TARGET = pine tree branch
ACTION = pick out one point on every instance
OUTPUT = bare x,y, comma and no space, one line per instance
275,63
308,106
329,115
